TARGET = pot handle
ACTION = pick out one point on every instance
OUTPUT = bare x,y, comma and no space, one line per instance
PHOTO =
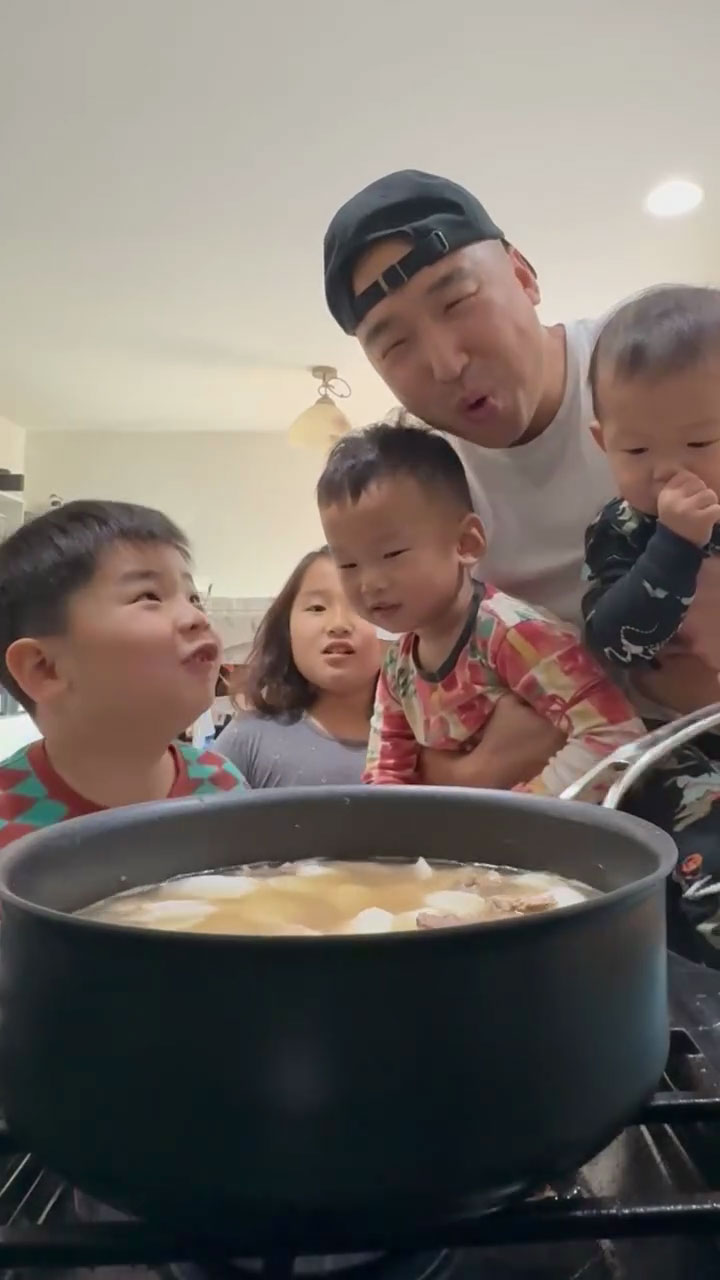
633,760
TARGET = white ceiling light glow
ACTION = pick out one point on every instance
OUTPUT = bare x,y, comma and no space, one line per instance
674,198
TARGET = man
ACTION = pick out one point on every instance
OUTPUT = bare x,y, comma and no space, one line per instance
445,309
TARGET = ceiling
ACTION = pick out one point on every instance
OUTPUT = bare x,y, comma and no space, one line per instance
167,169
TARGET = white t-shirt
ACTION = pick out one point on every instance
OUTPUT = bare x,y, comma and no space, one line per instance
537,499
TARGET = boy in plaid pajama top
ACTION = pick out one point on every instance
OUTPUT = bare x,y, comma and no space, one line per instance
397,514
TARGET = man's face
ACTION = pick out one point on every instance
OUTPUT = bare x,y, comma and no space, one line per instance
460,345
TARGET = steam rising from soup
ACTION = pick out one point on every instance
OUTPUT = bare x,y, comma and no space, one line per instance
314,897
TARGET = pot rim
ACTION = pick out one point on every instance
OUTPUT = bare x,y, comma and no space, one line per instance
128,816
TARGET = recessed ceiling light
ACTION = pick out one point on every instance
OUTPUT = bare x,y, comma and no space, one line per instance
672,199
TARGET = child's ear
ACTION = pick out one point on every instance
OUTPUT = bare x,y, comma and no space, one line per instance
32,666
597,434
472,542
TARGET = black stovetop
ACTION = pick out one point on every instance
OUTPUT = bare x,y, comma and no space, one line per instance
646,1207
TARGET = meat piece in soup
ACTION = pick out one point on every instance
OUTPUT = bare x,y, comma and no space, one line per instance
314,897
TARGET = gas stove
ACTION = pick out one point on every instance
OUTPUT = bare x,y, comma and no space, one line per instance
647,1206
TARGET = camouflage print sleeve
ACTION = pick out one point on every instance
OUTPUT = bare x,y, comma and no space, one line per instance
641,580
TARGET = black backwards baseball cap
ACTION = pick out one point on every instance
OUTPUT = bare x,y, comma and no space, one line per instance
436,215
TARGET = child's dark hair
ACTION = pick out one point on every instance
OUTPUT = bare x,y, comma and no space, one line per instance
46,561
663,331
382,452
271,683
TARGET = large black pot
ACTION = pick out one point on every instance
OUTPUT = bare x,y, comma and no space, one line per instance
329,1084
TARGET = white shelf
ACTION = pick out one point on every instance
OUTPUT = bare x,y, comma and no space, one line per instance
12,512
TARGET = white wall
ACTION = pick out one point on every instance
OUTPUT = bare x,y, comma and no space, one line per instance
246,499
16,732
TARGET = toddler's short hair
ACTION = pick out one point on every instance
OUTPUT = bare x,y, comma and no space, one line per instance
381,452
46,561
663,331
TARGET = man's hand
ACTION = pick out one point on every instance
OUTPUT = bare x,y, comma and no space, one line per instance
514,748
683,683
688,508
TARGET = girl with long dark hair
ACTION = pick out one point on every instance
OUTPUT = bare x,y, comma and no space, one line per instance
308,689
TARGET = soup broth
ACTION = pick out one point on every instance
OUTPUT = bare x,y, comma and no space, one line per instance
332,897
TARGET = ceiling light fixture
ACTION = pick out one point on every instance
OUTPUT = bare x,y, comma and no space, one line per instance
323,423
674,198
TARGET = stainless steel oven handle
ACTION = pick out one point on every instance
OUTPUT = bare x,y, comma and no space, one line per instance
632,761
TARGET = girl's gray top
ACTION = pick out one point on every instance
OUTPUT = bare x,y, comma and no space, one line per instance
284,752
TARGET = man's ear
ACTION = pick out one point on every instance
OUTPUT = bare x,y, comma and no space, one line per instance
525,275
597,434
32,666
472,543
